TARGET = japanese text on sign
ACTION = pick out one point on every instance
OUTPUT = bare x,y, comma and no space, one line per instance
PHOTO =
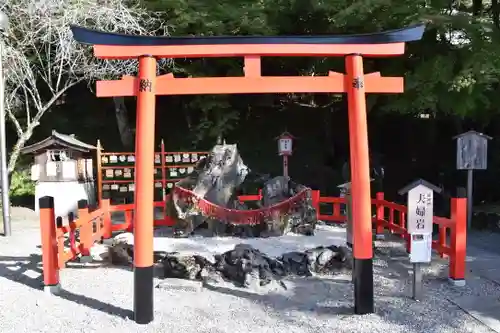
285,146
357,83
424,201
420,210
145,85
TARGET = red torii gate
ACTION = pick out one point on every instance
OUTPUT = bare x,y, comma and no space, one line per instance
147,85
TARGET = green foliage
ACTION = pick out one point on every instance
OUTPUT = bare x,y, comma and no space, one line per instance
216,118
453,70
21,184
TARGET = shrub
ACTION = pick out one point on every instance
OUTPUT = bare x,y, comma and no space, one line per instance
21,184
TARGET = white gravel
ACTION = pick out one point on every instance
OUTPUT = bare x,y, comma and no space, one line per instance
100,299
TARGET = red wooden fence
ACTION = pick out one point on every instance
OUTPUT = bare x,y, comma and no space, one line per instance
96,225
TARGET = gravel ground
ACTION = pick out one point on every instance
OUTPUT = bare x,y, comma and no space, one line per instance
485,240
100,300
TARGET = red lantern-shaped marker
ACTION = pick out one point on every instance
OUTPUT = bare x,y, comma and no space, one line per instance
285,145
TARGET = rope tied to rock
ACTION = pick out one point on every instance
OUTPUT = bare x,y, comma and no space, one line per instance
237,216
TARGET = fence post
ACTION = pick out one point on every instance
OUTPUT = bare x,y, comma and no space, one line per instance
380,215
458,241
167,220
315,195
105,208
61,260
442,240
49,245
99,171
86,230
129,216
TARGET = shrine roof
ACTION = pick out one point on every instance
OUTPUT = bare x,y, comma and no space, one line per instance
472,133
60,141
96,37
419,182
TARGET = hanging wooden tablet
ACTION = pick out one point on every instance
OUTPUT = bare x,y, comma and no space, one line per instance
127,173
173,172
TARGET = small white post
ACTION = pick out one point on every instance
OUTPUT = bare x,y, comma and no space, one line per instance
419,226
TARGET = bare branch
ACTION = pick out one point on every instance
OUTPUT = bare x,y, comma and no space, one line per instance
19,130
313,105
42,60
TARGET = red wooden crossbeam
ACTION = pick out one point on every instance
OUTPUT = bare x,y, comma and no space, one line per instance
168,85
241,50
251,83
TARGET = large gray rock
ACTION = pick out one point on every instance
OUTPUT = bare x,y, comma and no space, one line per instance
275,191
300,218
214,179
217,180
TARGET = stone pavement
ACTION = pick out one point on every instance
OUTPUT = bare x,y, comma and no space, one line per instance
483,267
483,255
483,262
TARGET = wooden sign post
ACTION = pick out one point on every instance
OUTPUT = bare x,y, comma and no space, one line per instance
419,219
472,154
285,145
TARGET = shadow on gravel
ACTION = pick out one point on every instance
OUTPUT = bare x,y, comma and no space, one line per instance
331,299
28,271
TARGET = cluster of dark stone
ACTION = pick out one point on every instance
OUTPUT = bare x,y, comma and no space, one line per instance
244,263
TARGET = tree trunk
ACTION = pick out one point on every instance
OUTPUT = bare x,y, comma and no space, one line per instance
23,137
16,150
121,113
215,179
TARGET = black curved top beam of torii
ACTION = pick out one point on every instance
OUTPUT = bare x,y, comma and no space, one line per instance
95,37
121,46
